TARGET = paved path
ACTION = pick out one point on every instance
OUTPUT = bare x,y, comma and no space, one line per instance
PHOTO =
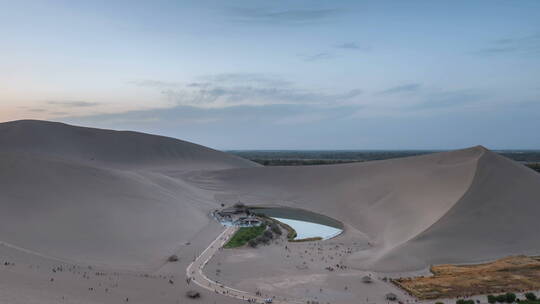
195,273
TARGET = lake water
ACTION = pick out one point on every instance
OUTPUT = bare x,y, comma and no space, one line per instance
306,230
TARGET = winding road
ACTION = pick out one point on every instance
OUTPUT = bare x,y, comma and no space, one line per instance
196,275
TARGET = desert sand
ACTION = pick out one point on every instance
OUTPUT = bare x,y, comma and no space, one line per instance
91,216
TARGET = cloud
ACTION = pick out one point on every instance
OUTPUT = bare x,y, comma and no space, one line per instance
312,127
153,83
317,57
451,99
223,78
522,45
407,88
352,46
285,17
74,104
413,98
59,113
302,118
225,90
251,78
221,96
37,110
243,117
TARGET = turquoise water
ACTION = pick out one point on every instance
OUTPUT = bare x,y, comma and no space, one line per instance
306,230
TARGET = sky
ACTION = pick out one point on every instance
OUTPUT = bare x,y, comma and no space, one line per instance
293,74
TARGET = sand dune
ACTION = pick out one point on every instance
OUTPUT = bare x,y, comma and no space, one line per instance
94,196
496,217
461,206
126,200
90,214
123,149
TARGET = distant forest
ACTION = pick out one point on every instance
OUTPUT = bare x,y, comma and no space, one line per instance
530,158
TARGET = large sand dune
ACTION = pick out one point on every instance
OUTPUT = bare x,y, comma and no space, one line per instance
496,217
124,149
461,206
96,196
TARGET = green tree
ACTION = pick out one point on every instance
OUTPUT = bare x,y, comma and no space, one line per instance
510,297
531,296
501,298
491,299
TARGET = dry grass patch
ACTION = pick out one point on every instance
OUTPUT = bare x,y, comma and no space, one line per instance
515,273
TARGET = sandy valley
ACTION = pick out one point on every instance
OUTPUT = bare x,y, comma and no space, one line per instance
93,216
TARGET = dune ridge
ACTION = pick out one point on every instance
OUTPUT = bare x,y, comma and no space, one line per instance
495,218
100,197
120,149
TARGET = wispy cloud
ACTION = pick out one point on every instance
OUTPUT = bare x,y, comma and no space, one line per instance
277,114
303,118
220,96
59,113
406,88
451,99
352,46
248,78
285,17
317,57
223,78
154,83
73,104
523,45
225,90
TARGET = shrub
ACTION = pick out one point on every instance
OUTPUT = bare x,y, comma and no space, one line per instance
501,298
263,239
253,243
510,297
268,234
462,301
530,296
239,205
173,258
275,228
439,303
491,299
193,294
